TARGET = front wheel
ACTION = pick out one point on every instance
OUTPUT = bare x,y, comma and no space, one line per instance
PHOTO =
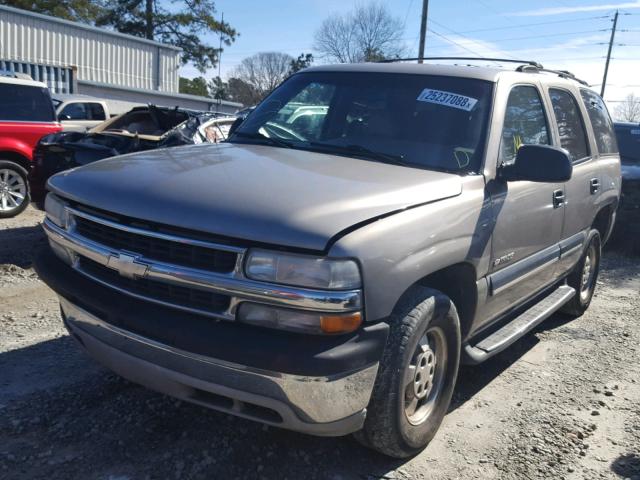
14,190
417,375
584,277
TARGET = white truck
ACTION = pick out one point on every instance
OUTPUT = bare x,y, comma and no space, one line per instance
79,113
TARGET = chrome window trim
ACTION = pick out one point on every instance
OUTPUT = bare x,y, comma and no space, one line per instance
234,284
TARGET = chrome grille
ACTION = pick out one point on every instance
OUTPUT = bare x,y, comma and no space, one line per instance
160,249
178,296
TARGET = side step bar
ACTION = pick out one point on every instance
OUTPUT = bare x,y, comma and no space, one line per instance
519,326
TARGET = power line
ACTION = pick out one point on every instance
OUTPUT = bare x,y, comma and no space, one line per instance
536,24
454,42
512,39
455,33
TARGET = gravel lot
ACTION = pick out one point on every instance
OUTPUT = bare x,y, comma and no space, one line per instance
564,402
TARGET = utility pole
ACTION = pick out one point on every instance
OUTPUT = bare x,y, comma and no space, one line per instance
606,66
423,29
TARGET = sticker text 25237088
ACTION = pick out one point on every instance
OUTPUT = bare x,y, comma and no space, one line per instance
447,99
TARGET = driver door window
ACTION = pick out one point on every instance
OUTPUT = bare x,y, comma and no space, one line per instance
525,123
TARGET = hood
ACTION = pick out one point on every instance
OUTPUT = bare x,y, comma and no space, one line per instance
259,193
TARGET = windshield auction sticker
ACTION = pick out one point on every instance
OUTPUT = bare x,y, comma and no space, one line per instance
447,99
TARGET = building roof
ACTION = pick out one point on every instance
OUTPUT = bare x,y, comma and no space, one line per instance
69,23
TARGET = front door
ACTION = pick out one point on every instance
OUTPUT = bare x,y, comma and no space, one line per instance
528,216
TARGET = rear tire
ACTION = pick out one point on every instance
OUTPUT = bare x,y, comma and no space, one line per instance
417,375
14,189
584,277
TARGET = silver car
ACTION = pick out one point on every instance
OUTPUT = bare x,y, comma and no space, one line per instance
329,273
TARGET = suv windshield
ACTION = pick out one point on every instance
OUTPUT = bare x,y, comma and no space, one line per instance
422,121
25,103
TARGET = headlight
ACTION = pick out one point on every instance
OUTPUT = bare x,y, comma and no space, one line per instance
55,209
302,270
298,321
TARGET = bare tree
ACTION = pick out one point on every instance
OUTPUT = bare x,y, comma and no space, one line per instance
629,109
261,73
368,33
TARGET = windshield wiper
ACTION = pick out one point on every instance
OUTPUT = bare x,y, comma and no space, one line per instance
270,140
364,152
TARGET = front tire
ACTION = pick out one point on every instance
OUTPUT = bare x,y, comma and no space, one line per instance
584,277
14,189
417,375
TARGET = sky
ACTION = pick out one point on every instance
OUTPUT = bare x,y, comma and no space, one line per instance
562,34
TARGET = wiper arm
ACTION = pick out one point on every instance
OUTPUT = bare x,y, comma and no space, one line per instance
258,136
365,152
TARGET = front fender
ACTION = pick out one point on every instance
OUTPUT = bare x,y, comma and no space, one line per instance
398,251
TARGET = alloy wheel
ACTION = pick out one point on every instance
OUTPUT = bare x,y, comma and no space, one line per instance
13,190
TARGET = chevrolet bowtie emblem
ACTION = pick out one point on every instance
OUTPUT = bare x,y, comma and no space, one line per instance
127,265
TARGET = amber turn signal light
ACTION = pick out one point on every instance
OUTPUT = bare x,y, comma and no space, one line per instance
340,323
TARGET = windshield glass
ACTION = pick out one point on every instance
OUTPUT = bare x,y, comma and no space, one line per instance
422,121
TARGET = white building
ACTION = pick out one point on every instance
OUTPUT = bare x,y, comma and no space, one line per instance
72,57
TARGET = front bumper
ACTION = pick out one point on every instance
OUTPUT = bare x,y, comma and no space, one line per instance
316,385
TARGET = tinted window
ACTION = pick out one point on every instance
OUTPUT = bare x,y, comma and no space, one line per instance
25,103
419,120
601,122
570,125
525,122
75,111
97,112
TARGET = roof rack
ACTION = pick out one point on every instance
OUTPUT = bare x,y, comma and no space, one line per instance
487,59
560,73
527,66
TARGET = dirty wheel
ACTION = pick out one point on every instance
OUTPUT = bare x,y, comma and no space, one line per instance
416,377
584,277
14,192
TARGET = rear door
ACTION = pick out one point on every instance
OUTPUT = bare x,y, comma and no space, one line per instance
584,187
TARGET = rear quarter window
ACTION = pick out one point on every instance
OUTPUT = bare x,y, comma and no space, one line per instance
25,103
601,122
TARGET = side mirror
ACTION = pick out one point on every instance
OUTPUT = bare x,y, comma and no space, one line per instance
234,126
63,117
538,163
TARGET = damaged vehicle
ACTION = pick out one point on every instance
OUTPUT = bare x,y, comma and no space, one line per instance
328,275
140,129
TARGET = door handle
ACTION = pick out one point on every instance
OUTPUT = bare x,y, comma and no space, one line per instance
558,198
594,185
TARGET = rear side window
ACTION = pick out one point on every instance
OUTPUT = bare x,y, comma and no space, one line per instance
573,137
97,112
22,103
601,122
525,122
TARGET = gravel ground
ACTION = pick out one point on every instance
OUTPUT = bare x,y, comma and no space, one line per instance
561,403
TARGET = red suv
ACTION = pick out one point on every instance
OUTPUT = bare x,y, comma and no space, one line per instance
26,114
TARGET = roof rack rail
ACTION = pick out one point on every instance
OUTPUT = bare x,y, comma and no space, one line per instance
487,59
560,73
